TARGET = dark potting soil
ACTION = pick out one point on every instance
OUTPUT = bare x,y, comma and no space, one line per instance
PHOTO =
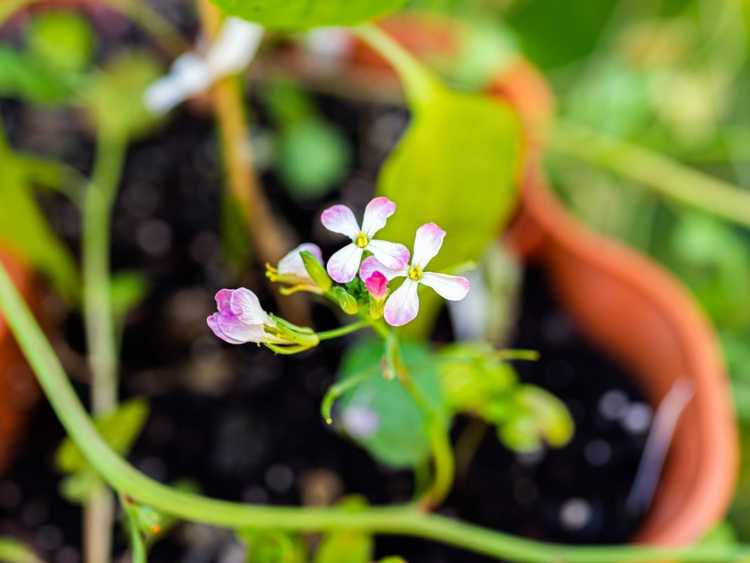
243,424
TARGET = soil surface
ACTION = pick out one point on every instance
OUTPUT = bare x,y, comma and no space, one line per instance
243,424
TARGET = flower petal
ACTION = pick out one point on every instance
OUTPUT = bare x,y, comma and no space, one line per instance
343,265
376,215
452,288
403,304
246,306
377,285
340,219
427,244
233,330
391,254
292,263
223,299
370,265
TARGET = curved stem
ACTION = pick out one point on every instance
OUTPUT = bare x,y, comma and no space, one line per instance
343,331
100,324
397,520
658,172
417,79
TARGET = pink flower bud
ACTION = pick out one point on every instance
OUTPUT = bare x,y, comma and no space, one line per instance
377,285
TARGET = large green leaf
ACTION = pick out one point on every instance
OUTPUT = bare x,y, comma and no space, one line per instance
301,14
379,414
456,166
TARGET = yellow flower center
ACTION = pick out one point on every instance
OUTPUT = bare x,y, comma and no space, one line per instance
415,273
361,241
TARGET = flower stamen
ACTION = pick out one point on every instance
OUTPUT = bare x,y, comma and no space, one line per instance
415,273
362,240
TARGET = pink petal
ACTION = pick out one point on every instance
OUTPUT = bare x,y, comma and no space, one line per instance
391,254
340,219
246,306
427,244
403,305
377,285
376,215
223,298
232,330
370,265
292,263
343,265
452,288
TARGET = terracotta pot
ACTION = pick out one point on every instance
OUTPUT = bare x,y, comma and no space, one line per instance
632,309
18,390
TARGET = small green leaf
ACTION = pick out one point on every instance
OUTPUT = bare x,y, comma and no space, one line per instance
346,301
312,158
23,77
303,14
61,40
78,487
24,229
119,429
13,551
316,271
549,413
460,148
114,98
345,547
392,559
128,289
273,547
379,414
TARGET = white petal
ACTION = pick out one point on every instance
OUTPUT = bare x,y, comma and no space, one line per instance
376,215
245,304
234,331
343,265
403,305
452,288
370,265
235,47
292,263
340,219
391,254
427,244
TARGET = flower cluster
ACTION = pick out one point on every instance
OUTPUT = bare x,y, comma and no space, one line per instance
240,318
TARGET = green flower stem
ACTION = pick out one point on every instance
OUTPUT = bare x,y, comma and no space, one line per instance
660,173
396,520
343,331
417,79
101,333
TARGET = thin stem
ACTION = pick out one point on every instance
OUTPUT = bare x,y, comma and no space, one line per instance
396,520
417,79
344,330
101,334
658,172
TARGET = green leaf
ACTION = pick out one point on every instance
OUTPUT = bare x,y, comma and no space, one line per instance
13,551
398,436
456,166
119,429
303,14
128,289
78,487
61,40
551,416
270,546
22,76
312,158
346,546
114,98
24,229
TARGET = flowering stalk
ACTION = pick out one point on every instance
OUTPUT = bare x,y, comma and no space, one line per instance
100,329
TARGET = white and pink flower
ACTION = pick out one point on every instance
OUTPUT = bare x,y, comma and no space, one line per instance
402,306
292,265
240,318
343,265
